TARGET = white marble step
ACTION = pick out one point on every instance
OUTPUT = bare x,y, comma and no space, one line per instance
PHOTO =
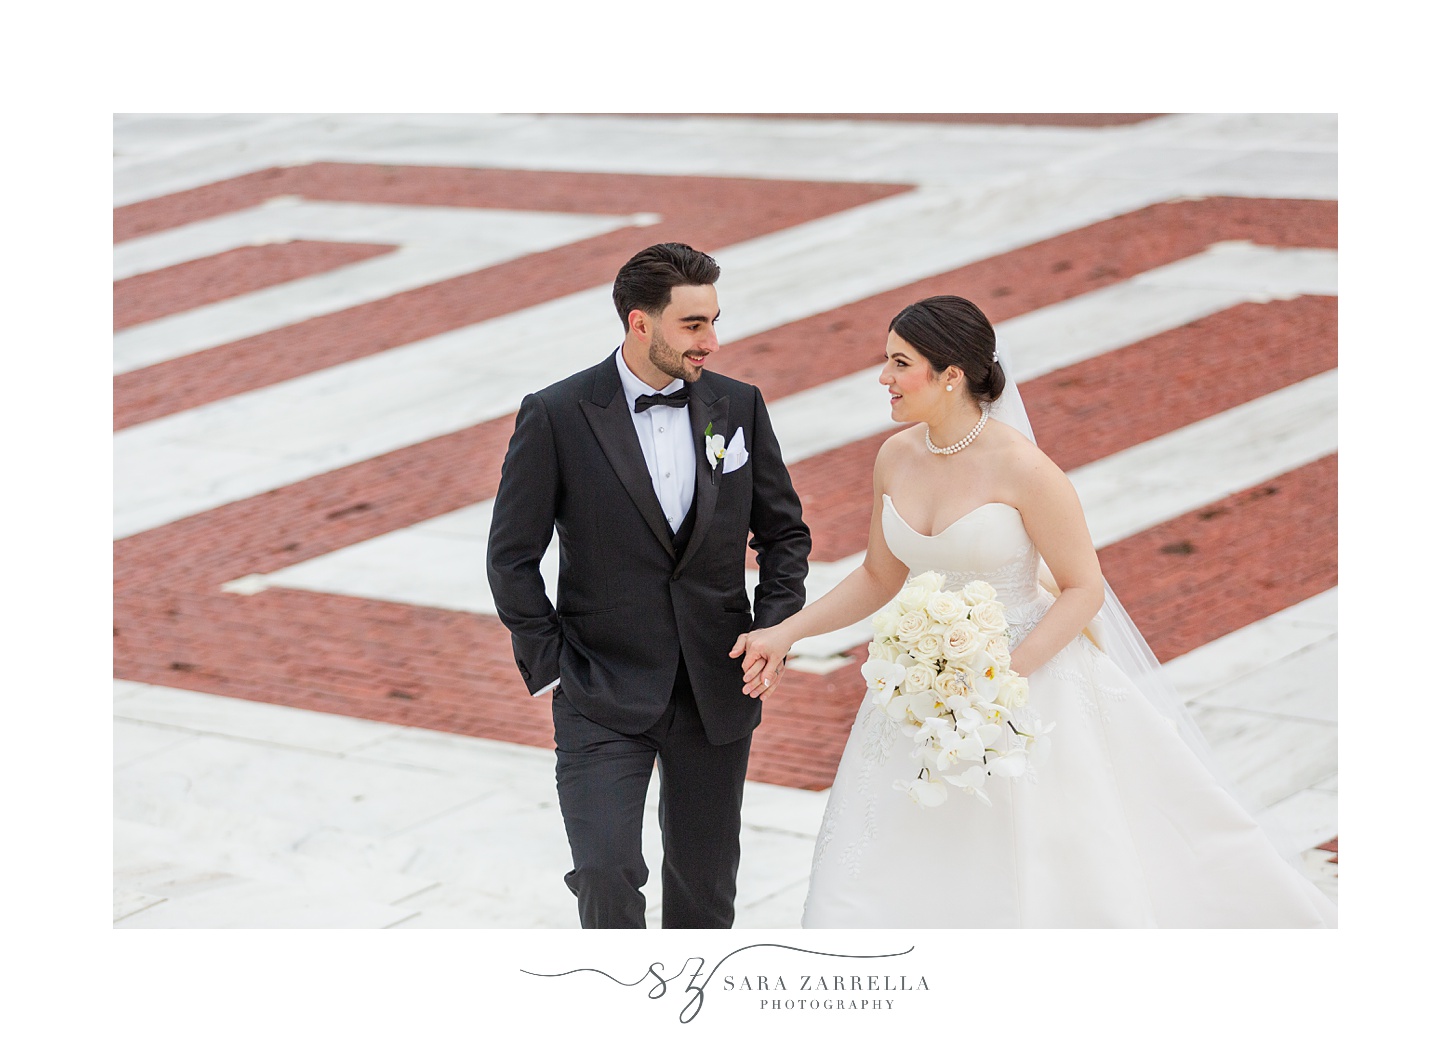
166,711
226,832
1159,479
1208,152
290,218
1266,697
393,826
166,863
239,903
1270,758
1227,667
1308,817
434,247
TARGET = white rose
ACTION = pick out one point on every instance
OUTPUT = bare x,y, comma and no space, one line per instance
946,608
931,582
977,591
929,647
950,683
910,627
880,653
919,678
885,621
997,650
962,641
990,618
1013,692
912,598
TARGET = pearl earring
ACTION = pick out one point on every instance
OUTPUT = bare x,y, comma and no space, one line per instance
949,387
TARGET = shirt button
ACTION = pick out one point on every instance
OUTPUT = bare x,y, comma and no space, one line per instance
661,429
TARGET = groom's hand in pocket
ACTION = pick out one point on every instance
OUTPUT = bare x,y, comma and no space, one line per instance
763,658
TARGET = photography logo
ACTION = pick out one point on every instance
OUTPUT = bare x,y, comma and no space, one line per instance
805,990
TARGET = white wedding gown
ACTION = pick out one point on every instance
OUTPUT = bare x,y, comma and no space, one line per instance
1119,824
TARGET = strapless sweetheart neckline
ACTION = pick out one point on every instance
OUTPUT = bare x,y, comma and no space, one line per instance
960,520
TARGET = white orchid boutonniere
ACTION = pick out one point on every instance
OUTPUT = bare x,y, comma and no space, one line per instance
714,448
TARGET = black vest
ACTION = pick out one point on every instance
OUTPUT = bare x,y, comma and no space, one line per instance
687,525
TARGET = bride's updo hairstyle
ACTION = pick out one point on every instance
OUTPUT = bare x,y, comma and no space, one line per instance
951,330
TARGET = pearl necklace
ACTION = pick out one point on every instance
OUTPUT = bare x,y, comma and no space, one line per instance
955,446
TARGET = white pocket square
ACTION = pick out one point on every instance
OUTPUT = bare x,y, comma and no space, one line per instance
735,453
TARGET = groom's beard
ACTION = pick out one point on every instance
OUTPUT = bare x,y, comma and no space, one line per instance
669,361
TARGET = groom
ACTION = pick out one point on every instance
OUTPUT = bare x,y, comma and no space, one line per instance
652,470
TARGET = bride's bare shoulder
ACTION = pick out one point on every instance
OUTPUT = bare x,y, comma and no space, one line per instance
900,445
1028,470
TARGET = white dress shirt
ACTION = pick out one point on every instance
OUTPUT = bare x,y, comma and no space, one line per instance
664,434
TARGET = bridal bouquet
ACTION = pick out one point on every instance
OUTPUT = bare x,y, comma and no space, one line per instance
940,668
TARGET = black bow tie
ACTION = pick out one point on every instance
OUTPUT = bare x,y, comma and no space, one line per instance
676,400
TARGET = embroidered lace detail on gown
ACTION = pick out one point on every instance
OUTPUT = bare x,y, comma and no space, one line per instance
1119,824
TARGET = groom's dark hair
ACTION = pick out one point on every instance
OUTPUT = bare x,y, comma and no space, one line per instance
648,278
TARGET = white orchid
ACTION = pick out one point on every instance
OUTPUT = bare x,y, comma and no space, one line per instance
930,732
1009,765
954,747
922,705
896,710
972,781
714,449
883,678
926,792
986,687
1034,732
965,710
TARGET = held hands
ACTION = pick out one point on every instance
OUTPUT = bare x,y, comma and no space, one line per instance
763,657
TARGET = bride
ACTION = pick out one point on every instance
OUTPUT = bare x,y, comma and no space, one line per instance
1123,823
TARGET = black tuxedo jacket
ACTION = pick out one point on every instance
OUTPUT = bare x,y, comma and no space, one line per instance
631,604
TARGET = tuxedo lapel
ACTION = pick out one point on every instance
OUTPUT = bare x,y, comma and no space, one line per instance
706,410
609,417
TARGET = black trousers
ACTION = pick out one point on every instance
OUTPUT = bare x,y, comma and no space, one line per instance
602,776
